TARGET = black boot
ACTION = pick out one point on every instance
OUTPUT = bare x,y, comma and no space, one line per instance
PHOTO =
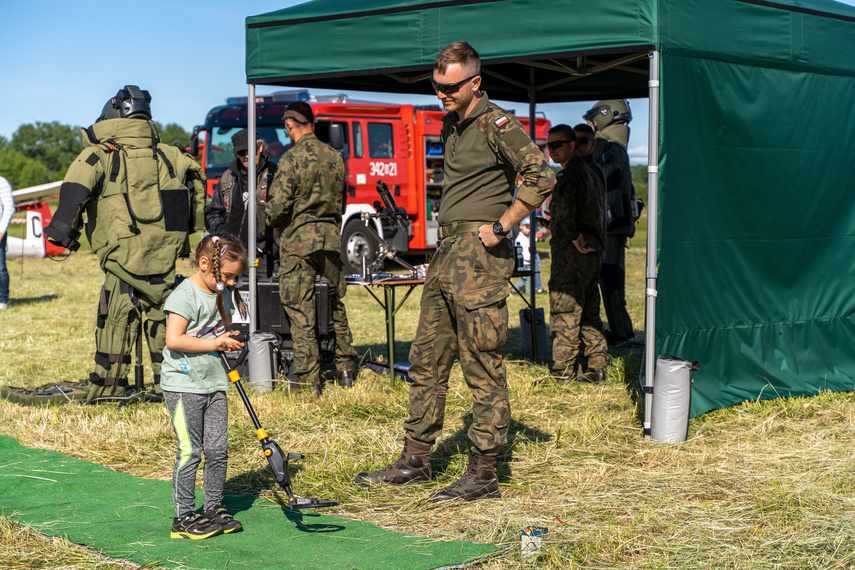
594,376
345,378
478,482
413,467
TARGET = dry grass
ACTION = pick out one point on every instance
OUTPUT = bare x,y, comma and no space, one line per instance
761,485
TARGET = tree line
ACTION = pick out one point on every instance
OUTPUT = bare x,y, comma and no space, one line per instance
39,152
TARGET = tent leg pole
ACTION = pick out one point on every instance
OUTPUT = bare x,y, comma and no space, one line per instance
252,213
532,240
652,227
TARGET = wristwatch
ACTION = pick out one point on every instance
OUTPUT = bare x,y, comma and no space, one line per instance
499,229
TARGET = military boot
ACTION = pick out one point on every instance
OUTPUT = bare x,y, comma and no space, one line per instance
594,376
412,468
478,482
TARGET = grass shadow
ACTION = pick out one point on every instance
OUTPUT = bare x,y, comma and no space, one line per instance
31,300
459,444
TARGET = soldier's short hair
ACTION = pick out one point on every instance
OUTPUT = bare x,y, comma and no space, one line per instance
300,110
564,130
584,128
458,52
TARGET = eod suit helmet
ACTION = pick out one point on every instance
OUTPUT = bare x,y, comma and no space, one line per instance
608,112
130,101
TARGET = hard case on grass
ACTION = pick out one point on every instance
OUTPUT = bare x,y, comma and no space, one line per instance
525,332
273,320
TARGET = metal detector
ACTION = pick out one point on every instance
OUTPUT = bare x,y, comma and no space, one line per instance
277,458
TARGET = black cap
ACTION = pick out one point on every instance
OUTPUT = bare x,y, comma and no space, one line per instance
240,140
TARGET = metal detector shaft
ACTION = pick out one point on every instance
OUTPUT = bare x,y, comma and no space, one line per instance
276,458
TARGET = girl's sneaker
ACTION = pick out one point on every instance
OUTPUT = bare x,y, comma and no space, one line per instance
224,518
195,526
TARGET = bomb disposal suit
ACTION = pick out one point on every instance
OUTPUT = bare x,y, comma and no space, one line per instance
610,120
137,196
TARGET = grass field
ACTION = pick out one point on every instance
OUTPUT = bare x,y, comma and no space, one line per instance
760,485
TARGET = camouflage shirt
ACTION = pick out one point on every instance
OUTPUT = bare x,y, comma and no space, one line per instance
576,208
307,198
483,155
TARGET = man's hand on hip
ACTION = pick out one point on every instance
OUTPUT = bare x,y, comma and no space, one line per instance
488,238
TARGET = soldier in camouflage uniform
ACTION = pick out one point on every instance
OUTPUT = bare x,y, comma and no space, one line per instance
307,199
139,197
577,246
610,121
463,310
585,149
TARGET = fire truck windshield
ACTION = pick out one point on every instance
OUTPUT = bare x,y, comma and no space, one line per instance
220,153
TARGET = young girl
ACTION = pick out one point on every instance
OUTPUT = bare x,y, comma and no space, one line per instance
194,383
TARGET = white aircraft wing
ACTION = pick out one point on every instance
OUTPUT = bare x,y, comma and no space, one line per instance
37,193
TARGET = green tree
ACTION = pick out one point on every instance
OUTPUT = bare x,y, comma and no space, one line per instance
20,171
173,133
53,144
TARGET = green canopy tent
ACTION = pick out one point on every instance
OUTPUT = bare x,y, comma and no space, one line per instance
752,145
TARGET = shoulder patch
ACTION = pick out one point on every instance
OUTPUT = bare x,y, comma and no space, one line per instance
501,121
92,160
516,139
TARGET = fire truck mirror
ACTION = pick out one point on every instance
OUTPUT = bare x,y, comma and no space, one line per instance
336,136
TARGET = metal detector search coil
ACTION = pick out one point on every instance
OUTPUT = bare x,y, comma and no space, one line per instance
277,458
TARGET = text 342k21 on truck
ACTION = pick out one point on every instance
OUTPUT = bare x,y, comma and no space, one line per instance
398,144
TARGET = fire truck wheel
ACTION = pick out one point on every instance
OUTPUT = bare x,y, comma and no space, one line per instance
357,242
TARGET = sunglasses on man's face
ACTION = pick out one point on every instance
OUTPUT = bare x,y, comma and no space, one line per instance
555,145
241,153
450,88
583,140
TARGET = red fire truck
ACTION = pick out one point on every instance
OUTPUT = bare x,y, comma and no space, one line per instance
398,144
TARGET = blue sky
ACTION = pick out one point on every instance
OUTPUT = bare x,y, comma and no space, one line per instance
62,60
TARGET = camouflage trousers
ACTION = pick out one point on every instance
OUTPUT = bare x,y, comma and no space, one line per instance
125,301
574,305
613,286
297,293
463,314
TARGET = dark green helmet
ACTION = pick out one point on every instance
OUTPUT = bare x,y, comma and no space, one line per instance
608,112
128,102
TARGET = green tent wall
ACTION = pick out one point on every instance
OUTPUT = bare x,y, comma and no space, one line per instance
753,226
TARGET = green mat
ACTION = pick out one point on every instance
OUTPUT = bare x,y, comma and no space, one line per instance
127,517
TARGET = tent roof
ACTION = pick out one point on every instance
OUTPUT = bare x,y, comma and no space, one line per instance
573,50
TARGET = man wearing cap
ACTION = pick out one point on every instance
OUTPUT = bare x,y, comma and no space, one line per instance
463,310
577,246
228,208
306,200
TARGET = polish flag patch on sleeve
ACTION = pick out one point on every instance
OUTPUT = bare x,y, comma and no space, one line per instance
501,121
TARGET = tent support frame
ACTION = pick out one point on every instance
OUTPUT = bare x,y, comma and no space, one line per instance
652,239
252,211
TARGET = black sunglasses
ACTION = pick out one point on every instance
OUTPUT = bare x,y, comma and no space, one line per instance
556,144
449,88
241,153
583,140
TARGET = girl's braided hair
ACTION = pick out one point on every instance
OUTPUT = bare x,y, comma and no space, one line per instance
219,247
